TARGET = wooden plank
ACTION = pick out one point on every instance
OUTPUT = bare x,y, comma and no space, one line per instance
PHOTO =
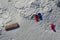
11,26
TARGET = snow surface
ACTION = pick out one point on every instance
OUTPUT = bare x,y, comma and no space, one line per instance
21,11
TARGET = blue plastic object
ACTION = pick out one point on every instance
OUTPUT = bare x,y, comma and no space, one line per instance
40,16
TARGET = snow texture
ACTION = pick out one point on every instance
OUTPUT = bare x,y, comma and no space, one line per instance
22,11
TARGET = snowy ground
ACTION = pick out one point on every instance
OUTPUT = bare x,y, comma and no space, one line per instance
21,10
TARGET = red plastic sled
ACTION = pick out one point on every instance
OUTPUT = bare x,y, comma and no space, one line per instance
53,27
36,17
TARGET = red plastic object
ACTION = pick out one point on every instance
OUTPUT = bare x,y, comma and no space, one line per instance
52,26
36,17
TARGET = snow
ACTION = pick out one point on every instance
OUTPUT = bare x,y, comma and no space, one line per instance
20,11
